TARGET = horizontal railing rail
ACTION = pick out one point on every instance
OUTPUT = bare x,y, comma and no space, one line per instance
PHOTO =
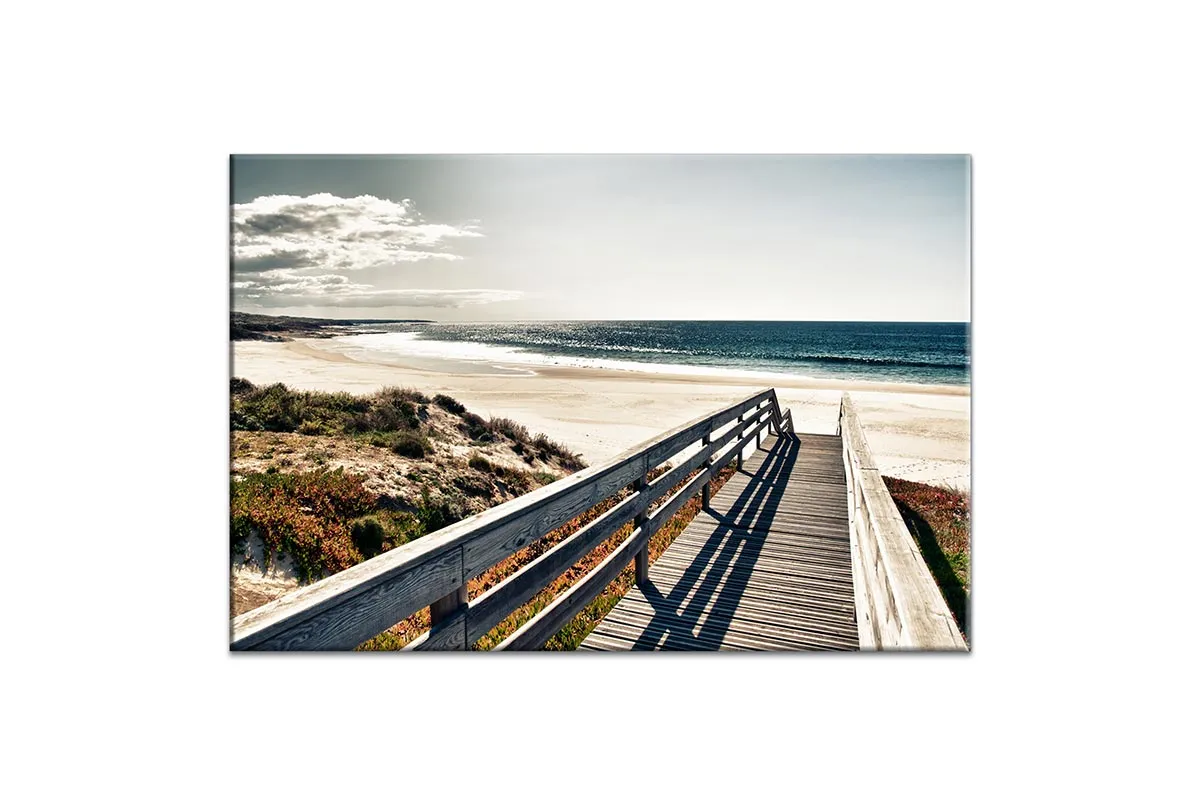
352,606
897,602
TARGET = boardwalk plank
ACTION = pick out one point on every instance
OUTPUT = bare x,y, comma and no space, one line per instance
761,615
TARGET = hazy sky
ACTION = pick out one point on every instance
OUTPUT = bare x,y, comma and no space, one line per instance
478,238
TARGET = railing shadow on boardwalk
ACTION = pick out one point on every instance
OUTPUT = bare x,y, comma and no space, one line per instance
738,537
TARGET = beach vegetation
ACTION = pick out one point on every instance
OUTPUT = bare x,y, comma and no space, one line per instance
292,494
438,512
397,394
547,448
411,444
304,515
237,385
473,484
280,409
515,480
508,428
393,417
326,520
939,520
476,428
367,536
384,530
449,404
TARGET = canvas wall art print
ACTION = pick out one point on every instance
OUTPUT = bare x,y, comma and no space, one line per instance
602,403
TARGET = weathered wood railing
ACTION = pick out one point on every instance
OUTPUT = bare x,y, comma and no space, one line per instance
897,601
352,606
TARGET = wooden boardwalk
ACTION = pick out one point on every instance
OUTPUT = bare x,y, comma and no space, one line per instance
768,565
765,567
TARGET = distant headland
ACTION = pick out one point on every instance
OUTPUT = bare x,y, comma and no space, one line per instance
280,328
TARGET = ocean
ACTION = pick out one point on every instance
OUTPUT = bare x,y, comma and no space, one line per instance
928,353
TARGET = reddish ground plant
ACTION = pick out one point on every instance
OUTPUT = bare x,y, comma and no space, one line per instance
939,519
306,516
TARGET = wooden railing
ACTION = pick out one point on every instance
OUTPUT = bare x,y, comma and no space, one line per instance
352,606
897,601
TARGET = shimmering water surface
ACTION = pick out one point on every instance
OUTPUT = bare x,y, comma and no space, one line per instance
931,353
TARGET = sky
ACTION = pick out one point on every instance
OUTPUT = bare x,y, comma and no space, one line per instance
604,237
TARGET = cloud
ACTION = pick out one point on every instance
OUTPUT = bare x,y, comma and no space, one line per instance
293,251
324,232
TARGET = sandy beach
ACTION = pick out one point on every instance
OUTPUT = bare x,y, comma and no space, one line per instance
917,432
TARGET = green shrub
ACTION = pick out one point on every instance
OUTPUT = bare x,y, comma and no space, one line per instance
509,428
439,513
449,404
240,387
379,417
381,413
411,445
516,480
398,395
476,427
240,420
240,524
547,448
478,462
472,484
401,527
368,536
278,408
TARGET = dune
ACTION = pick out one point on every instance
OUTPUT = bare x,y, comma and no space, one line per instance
917,432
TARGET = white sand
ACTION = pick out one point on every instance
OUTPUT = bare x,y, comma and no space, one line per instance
917,432
257,577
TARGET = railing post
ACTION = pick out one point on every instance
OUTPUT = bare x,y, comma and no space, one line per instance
641,562
707,491
776,419
741,433
448,604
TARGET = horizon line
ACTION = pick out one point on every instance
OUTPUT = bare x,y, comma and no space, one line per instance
603,320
